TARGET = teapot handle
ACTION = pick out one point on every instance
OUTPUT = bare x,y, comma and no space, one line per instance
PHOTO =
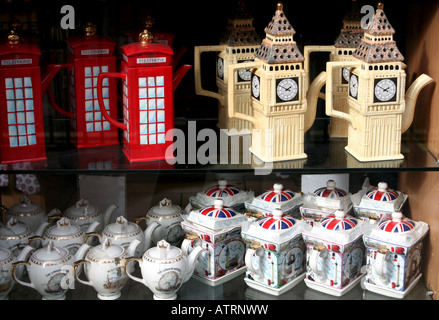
101,77
382,256
77,265
53,69
129,269
250,253
318,253
16,279
197,68
92,234
306,54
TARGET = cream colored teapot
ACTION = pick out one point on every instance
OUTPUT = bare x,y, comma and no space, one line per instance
164,269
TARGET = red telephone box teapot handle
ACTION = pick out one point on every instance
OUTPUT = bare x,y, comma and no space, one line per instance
52,70
101,77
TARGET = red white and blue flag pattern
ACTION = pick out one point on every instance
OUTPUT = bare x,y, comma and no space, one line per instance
217,213
389,225
277,224
219,192
375,194
272,196
330,193
335,224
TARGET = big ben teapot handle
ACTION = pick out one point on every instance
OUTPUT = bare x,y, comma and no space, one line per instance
101,77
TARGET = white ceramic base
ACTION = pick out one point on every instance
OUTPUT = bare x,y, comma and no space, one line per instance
112,297
160,298
389,292
333,291
216,282
274,291
60,298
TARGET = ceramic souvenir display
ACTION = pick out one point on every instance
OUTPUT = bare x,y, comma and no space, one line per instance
277,197
6,280
379,109
164,269
345,44
30,213
84,214
123,232
105,267
275,257
237,45
283,105
231,195
374,203
335,254
65,235
49,270
15,235
218,227
164,222
324,202
148,85
393,255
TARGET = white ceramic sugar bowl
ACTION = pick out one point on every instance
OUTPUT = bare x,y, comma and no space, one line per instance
164,222
65,234
104,267
6,281
49,269
122,232
165,268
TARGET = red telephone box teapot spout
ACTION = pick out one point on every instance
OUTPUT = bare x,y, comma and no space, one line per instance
148,85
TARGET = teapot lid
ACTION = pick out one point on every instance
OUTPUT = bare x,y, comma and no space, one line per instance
330,191
121,227
222,190
163,251
63,227
25,206
339,221
396,224
277,194
82,208
106,250
165,208
278,221
50,252
218,211
14,228
382,193
5,254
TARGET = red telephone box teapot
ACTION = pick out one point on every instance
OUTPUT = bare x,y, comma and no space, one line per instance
148,85
21,105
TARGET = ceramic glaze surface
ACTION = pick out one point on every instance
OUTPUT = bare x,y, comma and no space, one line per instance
6,280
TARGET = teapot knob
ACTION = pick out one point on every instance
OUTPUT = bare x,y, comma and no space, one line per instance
25,201
397,216
163,248
278,187
339,215
63,222
222,184
277,213
218,204
330,184
382,186
165,202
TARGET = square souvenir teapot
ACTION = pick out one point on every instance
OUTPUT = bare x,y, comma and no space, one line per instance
217,229
324,202
275,256
335,254
277,197
393,255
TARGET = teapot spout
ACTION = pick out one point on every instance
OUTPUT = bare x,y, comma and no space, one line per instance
312,97
108,212
132,247
80,254
191,261
179,74
148,234
410,100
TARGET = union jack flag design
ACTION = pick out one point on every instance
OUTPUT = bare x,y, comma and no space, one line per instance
332,223
277,224
389,225
272,196
218,192
375,194
330,193
217,213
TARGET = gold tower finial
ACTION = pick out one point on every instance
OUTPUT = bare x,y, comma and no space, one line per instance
13,38
380,6
146,37
90,29
280,6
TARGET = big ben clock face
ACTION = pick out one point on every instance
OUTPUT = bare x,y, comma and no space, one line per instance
256,88
244,74
220,68
385,90
345,75
353,86
287,90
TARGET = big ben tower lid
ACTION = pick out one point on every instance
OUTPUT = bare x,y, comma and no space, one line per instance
240,30
279,45
377,44
351,32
